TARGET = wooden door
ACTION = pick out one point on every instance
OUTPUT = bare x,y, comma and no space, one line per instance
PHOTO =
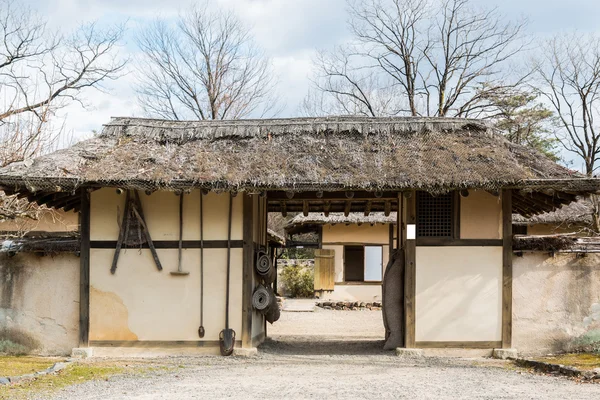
324,269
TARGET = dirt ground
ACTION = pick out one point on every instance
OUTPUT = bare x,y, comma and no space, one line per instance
330,354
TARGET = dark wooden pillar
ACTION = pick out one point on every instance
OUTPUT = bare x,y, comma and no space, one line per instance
248,269
410,270
507,270
84,269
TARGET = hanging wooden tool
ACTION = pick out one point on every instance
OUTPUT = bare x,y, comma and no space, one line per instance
180,271
201,330
227,335
133,217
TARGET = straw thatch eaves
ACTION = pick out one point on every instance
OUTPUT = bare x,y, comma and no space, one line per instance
556,243
577,213
40,242
274,238
340,218
364,155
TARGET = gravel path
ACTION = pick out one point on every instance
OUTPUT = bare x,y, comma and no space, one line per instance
298,365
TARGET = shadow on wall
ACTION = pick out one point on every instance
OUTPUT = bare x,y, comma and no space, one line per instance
15,342
556,301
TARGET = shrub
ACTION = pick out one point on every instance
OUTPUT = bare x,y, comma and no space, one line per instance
298,281
14,342
589,342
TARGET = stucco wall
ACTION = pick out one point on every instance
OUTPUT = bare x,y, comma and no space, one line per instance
39,298
357,292
480,216
334,238
366,233
141,303
458,293
555,299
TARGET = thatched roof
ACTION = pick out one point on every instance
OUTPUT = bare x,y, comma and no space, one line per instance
326,154
556,243
41,242
274,237
340,218
577,212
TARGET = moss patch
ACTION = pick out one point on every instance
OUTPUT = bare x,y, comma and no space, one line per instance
583,361
74,373
15,366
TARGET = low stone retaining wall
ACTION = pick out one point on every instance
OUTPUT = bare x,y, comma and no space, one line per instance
14,379
549,368
349,305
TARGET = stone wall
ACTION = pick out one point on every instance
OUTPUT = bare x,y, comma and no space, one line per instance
555,299
39,301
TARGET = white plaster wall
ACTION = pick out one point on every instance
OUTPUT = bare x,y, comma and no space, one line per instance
161,210
39,297
353,233
364,293
141,303
458,293
480,216
555,299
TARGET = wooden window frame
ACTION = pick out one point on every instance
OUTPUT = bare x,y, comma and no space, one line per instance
363,282
455,228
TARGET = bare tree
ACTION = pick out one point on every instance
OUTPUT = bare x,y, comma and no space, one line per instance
436,54
205,67
41,71
569,77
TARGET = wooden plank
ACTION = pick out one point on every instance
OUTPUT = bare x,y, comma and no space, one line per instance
324,269
158,343
247,268
458,345
84,269
456,215
276,196
432,241
507,270
170,244
410,276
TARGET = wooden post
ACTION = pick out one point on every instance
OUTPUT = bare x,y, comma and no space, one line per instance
410,273
84,269
507,270
248,269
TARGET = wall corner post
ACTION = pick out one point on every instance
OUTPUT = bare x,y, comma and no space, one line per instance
248,269
507,268
409,217
84,268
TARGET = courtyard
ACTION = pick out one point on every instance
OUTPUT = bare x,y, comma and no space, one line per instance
321,354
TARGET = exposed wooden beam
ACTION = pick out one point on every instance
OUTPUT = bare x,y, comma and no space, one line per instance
326,208
347,208
507,269
305,208
340,196
387,208
283,208
368,208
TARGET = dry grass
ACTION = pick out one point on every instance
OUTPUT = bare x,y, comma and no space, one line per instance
15,366
77,373
583,361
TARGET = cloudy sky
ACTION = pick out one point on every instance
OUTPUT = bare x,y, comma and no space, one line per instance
289,31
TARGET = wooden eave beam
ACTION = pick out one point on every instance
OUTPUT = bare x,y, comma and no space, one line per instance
339,196
368,208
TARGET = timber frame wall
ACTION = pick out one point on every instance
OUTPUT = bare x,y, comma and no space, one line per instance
254,236
407,216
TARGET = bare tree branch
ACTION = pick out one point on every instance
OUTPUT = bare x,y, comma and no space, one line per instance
205,67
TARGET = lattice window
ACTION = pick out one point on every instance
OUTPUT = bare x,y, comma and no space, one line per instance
435,217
